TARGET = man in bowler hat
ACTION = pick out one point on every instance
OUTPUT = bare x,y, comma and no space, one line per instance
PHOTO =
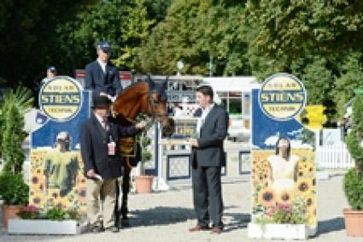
102,163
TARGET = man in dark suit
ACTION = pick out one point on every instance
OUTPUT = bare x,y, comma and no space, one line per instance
102,163
102,77
207,158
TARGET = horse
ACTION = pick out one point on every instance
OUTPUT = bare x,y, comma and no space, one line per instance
145,97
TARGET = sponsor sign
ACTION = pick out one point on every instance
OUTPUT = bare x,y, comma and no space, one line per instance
282,96
60,98
283,167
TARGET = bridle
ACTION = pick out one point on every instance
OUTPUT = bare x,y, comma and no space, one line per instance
152,102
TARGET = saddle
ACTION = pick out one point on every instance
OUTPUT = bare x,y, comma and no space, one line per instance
130,151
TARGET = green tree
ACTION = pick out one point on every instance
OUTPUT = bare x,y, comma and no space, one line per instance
125,23
100,21
310,39
157,9
196,32
318,80
30,37
319,27
350,78
135,30
353,179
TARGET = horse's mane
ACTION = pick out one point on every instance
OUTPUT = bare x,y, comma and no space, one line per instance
130,99
130,87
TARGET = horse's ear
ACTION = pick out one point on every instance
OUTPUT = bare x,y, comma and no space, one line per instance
164,84
150,82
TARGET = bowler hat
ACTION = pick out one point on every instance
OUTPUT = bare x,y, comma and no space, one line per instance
101,101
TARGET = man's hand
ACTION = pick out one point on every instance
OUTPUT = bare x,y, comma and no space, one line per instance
140,125
194,142
91,173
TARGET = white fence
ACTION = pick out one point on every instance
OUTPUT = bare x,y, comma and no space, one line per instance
333,157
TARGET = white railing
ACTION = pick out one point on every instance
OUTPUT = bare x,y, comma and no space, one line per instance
333,157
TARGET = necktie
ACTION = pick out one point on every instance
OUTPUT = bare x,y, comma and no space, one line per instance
104,124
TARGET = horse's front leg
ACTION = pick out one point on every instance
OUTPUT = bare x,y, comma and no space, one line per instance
125,192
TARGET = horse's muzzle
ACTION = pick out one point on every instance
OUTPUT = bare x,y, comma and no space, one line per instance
168,127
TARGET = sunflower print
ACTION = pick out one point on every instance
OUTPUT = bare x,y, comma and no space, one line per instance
43,196
285,197
267,197
310,200
304,186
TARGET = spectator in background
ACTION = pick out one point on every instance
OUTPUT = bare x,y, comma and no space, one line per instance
102,77
51,73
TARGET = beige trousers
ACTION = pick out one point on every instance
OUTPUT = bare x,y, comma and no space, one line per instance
101,193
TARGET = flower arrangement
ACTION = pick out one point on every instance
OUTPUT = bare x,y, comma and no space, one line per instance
54,213
29,212
282,213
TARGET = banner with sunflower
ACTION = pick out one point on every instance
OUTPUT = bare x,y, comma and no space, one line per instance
57,180
282,155
56,174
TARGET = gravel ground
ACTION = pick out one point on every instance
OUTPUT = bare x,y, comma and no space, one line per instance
166,216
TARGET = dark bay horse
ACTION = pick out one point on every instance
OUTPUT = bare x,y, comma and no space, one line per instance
146,97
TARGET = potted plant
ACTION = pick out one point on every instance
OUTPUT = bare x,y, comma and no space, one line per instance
54,220
15,194
143,182
353,179
13,190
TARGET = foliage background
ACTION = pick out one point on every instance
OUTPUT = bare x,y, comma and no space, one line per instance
318,41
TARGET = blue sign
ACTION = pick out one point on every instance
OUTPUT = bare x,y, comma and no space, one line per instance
56,165
65,106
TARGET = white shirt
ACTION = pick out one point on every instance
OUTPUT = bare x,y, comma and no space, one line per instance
101,120
201,119
102,64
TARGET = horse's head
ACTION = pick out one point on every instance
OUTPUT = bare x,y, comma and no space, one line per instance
157,105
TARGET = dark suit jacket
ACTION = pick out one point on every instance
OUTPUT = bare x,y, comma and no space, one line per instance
94,139
212,133
98,81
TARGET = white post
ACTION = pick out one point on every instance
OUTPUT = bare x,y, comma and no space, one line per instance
160,184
